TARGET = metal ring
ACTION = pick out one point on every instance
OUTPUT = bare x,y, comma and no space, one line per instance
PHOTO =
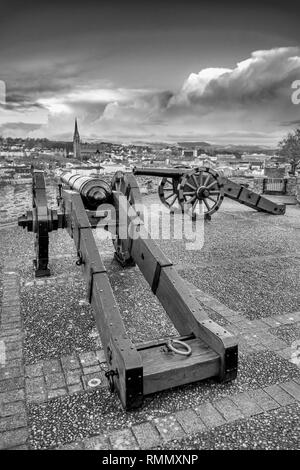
188,351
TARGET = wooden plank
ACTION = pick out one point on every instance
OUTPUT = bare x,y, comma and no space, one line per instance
249,197
188,317
231,189
266,205
148,256
120,352
160,342
165,369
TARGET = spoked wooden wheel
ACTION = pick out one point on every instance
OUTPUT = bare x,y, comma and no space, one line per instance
168,194
201,188
127,185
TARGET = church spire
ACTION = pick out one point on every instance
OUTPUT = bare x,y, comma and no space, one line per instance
76,142
76,128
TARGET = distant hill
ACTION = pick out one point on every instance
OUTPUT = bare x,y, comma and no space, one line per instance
194,144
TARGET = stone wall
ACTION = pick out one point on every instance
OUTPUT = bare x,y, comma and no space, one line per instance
292,186
275,172
258,184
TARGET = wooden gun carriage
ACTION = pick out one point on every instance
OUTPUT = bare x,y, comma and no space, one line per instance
190,189
202,349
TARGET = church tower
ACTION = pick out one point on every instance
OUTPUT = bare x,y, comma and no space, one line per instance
76,143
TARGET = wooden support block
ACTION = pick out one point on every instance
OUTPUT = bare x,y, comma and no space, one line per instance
249,197
231,189
165,369
266,205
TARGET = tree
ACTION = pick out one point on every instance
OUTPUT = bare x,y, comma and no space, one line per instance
289,147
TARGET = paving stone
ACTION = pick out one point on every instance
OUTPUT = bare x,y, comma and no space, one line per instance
10,325
287,318
292,388
14,395
11,372
169,428
55,381
73,376
123,440
258,325
12,408
259,347
263,399
71,446
14,438
15,362
278,394
94,380
11,332
59,392
10,338
91,369
11,311
285,353
11,384
13,422
70,362
75,388
34,370
37,397
13,346
210,415
271,322
88,359
100,355
51,367
146,435
97,443
15,354
190,421
22,447
297,380
266,338
224,311
277,345
246,404
296,315
35,385
237,319
228,409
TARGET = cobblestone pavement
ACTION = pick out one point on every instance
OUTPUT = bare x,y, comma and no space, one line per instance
53,392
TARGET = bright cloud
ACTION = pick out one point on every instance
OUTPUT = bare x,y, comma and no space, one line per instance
249,101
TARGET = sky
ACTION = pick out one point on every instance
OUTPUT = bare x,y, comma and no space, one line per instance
149,71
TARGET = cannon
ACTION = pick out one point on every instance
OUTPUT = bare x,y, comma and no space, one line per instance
202,349
204,188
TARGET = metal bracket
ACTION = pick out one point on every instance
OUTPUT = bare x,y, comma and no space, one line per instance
91,282
110,374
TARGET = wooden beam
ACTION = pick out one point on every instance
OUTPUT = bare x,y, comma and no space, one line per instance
121,354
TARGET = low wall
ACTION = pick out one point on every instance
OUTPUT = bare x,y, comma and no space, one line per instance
292,186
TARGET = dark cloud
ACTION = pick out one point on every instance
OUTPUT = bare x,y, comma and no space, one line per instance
295,123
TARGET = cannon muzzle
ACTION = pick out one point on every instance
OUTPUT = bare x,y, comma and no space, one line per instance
94,191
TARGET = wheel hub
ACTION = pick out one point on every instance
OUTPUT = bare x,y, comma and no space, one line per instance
202,192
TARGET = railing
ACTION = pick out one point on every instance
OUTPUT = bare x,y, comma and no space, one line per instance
274,185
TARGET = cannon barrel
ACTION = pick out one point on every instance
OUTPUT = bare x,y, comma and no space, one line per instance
161,172
93,190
